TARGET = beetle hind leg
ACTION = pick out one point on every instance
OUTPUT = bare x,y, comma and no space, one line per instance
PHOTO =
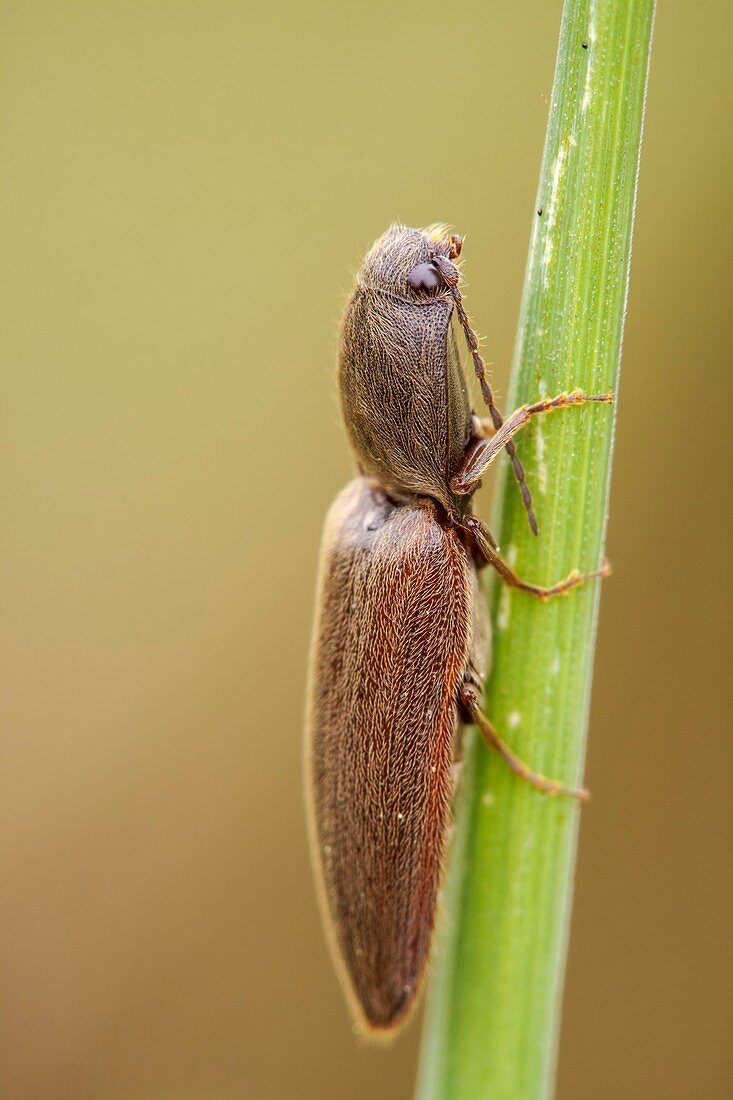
469,703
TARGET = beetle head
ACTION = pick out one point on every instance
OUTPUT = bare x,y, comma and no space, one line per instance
402,262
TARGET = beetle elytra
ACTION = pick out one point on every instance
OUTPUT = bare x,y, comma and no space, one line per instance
401,638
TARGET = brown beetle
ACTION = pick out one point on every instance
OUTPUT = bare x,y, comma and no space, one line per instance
401,636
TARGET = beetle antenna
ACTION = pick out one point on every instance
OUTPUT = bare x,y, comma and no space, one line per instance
450,274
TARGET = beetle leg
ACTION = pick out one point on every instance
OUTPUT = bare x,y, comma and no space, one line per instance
486,546
469,702
482,427
480,456
450,274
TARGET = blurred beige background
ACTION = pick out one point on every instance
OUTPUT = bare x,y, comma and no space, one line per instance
184,191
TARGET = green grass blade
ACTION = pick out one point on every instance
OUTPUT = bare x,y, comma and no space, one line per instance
492,1020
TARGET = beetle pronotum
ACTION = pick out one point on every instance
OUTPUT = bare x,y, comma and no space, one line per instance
401,636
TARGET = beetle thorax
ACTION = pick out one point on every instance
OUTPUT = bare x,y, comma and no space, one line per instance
403,392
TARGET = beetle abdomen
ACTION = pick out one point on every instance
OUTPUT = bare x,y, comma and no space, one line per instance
391,646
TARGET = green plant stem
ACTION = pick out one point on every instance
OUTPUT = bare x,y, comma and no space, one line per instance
492,1020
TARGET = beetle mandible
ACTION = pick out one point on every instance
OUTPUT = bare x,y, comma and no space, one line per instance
401,636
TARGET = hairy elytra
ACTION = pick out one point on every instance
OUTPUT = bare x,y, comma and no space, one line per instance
401,637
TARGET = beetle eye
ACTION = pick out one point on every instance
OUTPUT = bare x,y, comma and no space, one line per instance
425,277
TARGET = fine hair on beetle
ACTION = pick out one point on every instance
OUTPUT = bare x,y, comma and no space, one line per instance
401,639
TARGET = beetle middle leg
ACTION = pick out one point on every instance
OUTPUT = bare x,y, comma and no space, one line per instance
485,545
469,701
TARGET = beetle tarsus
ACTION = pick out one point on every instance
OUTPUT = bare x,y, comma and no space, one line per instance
573,580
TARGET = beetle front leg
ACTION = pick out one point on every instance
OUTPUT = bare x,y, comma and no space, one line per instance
469,702
482,454
486,546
